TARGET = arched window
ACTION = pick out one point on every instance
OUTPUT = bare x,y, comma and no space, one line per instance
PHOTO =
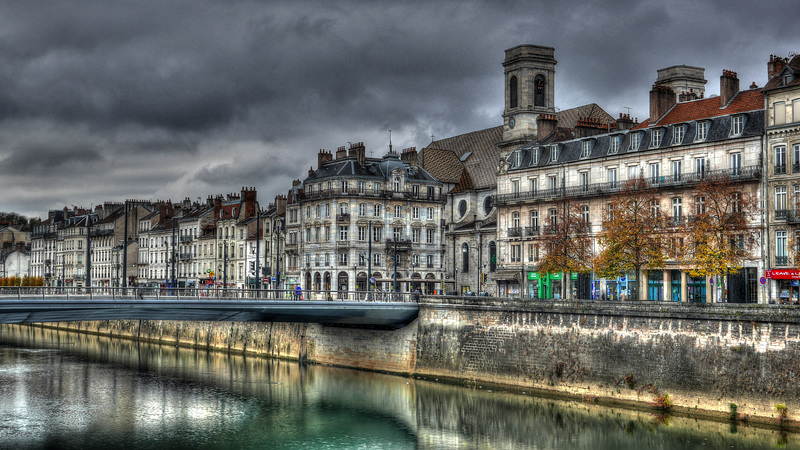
464,258
397,184
538,90
512,92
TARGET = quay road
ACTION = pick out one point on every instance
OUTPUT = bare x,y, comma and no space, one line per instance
362,309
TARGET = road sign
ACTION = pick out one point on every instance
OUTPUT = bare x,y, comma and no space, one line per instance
208,270
763,280
266,279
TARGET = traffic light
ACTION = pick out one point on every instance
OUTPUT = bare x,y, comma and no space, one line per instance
485,277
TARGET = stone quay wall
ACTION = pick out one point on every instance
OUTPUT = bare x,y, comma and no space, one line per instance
704,356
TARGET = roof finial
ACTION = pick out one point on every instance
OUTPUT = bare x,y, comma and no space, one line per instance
390,141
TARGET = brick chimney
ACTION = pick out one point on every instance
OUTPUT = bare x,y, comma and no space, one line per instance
545,126
624,122
249,198
662,98
323,157
358,151
280,203
588,126
728,87
775,65
410,155
687,96
341,153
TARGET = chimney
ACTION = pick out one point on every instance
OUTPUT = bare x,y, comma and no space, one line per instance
280,203
249,198
728,87
410,155
588,126
545,126
323,157
624,122
296,183
310,171
341,153
775,65
358,151
662,98
687,96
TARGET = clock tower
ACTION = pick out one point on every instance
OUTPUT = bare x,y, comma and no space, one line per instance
529,88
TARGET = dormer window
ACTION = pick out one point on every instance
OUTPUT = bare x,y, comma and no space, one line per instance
701,131
535,157
787,79
737,125
636,140
613,147
517,158
677,134
553,153
586,148
656,134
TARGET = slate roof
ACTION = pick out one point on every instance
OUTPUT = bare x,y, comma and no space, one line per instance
442,159
470,160
793,67
373,168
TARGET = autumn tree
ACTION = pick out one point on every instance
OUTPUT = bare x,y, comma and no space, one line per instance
722,231
567,241
632,239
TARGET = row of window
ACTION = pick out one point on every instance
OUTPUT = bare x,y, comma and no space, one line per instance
780,160
655,208
653,172
781,114
378,258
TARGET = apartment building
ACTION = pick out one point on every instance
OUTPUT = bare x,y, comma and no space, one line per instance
358,220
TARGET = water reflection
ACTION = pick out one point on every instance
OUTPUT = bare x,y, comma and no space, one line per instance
79,391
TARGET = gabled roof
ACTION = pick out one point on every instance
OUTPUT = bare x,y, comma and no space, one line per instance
706,108
569,117
442,158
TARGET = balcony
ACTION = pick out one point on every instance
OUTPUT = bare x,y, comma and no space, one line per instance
532,231
780,169
687,180
789,215
373,193
781,261
796,167
342,244
343,218
515,232
403,245
185,256
186,238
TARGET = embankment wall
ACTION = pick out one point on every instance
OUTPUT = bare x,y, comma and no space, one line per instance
704,356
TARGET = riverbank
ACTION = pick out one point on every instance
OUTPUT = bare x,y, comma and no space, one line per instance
705,360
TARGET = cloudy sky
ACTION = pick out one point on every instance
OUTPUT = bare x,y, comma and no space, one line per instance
158,99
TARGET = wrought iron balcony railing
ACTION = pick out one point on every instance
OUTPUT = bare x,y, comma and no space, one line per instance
686,180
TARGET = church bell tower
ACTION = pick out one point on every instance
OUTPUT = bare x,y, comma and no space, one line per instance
529,88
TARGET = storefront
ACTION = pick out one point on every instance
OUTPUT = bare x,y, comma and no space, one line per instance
655,285
543,285
787,284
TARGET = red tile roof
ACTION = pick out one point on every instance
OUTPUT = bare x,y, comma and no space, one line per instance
705,108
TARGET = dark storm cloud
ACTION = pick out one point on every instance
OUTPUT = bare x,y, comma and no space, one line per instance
160,99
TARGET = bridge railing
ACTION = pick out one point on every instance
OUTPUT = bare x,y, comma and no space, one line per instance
209,293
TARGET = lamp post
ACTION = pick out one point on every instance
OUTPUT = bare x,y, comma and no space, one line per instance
369,258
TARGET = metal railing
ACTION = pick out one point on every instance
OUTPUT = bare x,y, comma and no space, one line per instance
200,293
749,173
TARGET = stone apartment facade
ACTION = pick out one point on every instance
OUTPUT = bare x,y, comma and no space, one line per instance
356,218
782,175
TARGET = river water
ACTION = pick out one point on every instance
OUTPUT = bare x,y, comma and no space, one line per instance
69,390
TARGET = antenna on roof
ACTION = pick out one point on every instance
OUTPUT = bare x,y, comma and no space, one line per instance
433,137
628,108
390,141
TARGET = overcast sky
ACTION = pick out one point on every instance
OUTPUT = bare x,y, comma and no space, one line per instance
157,99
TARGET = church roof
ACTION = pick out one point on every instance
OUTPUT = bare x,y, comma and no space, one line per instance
443,159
